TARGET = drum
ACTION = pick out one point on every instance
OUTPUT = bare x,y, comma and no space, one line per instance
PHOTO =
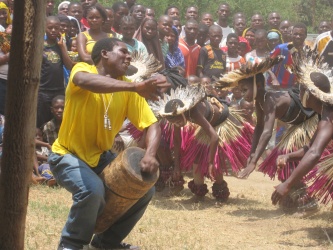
124,185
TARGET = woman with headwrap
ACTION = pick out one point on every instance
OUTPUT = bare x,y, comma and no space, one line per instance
5,19
174,58
274,38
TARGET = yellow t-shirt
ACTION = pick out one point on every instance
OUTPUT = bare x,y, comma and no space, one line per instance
82,131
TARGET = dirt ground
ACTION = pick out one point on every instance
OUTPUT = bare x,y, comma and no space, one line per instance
246,221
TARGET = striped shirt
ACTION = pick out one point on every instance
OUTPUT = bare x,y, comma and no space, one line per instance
191,56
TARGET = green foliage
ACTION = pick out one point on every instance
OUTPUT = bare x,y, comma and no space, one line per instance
311,12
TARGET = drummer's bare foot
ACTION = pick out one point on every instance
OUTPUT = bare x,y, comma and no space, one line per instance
38,179
51,182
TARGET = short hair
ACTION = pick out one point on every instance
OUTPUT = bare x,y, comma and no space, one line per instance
116,6
63,18
261,31
163,16
192,6
301,26
203,27
191,21
127,20
103,44
170,7
74,3
136,5
213,27
100,9
226,4
232,35
109,8
273,12
52,18
56,98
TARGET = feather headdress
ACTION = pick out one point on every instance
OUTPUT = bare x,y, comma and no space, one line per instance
146,66
190,96
304,66
247,70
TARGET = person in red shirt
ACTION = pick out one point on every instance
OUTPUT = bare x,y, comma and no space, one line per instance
189,47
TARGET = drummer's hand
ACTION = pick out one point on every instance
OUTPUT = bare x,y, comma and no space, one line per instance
149,164
152,88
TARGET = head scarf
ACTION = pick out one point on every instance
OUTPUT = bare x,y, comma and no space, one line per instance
274,34
4,6
174,57
153,46
77,22
244,40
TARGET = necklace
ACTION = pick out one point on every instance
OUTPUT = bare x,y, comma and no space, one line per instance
107,122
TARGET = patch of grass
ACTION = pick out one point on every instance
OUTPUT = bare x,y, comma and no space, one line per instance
246,221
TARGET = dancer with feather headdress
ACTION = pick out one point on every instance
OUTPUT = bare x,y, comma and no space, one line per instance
219,137
271,105
316,93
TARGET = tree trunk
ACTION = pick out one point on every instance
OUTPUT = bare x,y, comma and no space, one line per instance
20,128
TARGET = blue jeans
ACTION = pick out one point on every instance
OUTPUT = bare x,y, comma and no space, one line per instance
88,202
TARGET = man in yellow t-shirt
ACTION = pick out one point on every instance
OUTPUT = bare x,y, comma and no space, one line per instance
98,99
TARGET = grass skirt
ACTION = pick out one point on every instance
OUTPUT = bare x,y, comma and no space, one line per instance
295,137
322,179
167,130
233,148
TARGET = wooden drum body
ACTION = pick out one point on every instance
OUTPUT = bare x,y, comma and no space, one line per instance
124,185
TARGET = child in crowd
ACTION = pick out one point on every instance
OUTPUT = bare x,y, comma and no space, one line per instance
205,80
127,28
193,79
236,96
234,60
42,148
52,74
261,51
248,109
51,128
212,60
202,38
223,94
